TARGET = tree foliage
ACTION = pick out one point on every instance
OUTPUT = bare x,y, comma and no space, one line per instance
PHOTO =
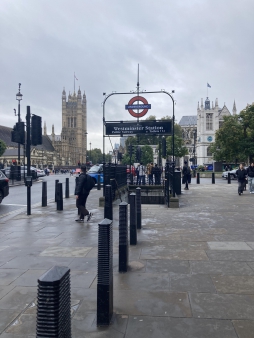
234,141
146,156
2,147
96,156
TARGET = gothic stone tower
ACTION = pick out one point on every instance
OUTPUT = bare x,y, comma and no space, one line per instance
209,119
74,128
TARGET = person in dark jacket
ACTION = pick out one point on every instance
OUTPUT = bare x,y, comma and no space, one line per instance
186,175
157,174
81,196
241,177
250,173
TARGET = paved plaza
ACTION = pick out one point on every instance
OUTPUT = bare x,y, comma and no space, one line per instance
191,274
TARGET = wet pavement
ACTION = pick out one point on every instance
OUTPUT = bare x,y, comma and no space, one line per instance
191,273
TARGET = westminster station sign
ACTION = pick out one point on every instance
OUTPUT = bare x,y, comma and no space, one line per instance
158,127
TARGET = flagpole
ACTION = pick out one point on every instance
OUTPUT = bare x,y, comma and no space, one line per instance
74,82
207,89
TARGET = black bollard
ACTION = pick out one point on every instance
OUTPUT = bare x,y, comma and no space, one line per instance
123,237
213,178
99,182
59,201
138,207
44,194
105,273
198,178
133,219
54,303
131,178
108,208
229,178
67,189
56,182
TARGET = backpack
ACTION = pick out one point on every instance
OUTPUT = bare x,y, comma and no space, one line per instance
88,185
188,171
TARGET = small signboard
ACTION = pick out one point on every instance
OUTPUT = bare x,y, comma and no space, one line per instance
158,127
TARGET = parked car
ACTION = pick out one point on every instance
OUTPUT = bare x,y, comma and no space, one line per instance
94,171
40,172
4,186
231,172
7,171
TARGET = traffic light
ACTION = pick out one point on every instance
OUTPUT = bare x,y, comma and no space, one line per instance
131,149
36,130
119,156
18,133
164,147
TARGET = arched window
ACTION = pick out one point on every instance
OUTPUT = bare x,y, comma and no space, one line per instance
209,153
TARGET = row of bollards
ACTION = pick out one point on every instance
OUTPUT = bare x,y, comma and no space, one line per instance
58,193
54,307
198,178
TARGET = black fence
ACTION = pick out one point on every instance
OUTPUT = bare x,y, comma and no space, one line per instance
114,175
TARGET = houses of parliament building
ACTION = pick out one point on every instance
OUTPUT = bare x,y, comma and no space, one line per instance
67,149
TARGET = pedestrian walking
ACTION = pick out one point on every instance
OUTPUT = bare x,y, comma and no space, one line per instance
186,175
157,174
142,173
84,185
241,177
137,174
250,173
149,171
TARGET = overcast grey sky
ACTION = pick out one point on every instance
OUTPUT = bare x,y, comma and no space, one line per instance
180,45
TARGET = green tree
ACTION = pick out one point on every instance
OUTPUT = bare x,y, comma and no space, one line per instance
2,147
180,149
234,141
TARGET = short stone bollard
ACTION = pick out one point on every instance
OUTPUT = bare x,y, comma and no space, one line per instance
44,194
99,182
108,207
198,178
59,197
67,188
105,273
123,237
213,178
54,303
56,182
138,207
133,219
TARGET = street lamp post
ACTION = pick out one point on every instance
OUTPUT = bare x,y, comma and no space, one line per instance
19,98
90,152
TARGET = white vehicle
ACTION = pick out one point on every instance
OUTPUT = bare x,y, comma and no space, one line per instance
231,172
40,172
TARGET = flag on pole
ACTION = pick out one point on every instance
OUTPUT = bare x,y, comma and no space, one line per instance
208,85
75,76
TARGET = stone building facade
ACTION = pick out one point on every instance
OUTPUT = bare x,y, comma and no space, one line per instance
199,130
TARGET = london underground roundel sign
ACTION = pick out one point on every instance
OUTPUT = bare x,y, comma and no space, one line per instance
144,106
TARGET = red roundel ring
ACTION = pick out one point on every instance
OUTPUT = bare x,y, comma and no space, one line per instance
134,99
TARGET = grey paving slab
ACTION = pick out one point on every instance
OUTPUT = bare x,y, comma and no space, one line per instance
153,303
222,306
244,328
25,324
82,279
5,289
150,327
221,268
192,283
231,255
36,262
18,298
228,246
29,278
7,276
234,284
251,244
161,253
84,264
6,317
66,252
166,265
85,325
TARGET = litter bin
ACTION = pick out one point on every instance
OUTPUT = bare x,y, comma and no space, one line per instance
177,182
